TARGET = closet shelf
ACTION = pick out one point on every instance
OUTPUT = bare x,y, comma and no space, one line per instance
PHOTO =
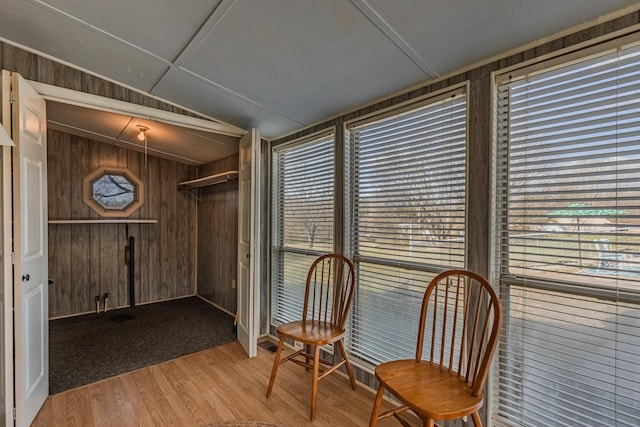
103,221
208,180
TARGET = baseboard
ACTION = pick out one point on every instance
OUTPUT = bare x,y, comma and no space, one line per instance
216,305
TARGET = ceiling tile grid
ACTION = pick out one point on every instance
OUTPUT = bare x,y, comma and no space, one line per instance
200,95
280,65
454,34
320,66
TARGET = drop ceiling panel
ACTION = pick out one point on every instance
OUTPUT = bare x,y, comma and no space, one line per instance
164,140
315,59
193,147
280,65
457,33
162,27
38,28
198,94
100,123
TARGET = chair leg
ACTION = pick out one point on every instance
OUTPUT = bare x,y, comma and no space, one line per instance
429,422
274,370
476,420
307,358
314,384
347,364
376,406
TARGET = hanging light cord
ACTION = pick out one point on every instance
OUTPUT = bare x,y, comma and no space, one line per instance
142,136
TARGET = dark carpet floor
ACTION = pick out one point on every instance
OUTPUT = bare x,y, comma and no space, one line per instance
92,347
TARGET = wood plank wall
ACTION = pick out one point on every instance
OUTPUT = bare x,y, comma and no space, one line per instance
86,260
218,236
480,145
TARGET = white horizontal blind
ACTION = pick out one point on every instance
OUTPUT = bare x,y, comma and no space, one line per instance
406,219
568,243
303,218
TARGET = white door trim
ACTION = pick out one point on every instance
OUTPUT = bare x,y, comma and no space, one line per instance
249,254
6,337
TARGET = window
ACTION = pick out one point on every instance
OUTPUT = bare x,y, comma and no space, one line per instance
303,217
406,217
568,243
113,191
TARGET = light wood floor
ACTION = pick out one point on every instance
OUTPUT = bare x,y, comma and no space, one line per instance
214,385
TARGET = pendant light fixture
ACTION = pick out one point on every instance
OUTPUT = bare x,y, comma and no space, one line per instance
142,136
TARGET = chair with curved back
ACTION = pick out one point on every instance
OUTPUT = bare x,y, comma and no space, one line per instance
608,257
458,344
328,296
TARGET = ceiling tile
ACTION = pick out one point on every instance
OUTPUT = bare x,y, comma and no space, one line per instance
197,94
24,23
178,143
182,144
281,65
162,27
304,59
100,123
457,33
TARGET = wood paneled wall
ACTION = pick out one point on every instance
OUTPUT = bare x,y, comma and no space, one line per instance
480,178
86,260
37,68
218,236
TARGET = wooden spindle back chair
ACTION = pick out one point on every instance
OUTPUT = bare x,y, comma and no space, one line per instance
328,297
457,337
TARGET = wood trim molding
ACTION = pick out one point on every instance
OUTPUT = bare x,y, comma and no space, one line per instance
218,178
95,102
103,221
88,196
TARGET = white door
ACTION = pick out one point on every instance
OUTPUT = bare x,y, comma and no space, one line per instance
31,307
248,302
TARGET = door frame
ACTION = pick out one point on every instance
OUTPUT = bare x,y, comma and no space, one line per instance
6,216
6,298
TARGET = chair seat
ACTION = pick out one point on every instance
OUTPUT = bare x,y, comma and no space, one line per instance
428,390
311,332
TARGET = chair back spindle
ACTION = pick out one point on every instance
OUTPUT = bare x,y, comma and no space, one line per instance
461,307
329,291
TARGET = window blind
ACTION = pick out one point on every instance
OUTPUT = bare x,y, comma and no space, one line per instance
406,218
568,243
303,218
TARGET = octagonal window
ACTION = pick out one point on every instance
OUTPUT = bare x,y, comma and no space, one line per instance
113,191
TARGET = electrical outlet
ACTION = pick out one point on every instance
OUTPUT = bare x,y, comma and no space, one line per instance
233,283
298,345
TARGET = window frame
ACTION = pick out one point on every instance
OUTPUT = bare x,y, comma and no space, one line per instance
276,216
397,110
558,60
89,196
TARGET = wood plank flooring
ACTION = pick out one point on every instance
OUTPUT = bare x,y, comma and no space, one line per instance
211,386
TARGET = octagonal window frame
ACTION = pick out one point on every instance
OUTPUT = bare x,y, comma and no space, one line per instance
88,195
